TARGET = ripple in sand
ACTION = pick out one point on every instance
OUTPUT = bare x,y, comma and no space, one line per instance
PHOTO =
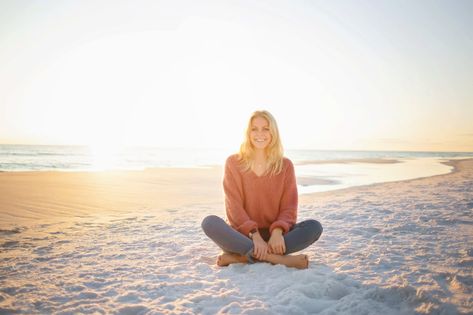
9,244
138,309
15,230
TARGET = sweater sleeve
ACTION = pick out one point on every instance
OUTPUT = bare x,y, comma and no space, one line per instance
236,214
288,206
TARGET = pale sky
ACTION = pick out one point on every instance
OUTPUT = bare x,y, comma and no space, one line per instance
349,75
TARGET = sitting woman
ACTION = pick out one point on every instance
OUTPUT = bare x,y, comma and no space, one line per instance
261,203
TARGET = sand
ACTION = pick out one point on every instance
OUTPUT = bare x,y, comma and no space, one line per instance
30,197
131,243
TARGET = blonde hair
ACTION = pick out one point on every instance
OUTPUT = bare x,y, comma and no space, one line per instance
274,151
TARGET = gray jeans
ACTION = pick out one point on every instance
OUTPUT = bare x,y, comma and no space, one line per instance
230,240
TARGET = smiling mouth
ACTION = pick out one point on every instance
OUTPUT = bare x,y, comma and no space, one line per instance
260,140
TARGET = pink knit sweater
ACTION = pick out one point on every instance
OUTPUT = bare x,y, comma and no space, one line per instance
266,201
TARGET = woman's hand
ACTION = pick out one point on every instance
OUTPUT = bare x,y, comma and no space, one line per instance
276,242
260,250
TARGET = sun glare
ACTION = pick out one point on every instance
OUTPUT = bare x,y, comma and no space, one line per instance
104,157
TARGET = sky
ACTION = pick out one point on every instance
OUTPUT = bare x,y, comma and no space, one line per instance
345,75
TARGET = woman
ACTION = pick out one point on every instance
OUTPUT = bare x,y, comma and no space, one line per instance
261,203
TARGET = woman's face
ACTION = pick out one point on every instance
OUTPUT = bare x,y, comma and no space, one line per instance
260,135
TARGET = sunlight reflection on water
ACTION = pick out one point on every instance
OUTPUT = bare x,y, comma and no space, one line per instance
333,176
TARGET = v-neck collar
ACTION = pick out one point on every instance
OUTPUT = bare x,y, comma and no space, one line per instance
258,176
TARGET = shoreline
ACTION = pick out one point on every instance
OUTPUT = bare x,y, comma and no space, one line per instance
331,176
32,196
28,197
455,164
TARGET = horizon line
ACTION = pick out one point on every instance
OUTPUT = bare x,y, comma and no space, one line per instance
222,148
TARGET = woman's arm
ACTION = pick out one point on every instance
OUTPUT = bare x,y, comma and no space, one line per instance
288,206
233,189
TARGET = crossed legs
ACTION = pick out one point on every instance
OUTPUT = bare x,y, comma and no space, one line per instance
239,248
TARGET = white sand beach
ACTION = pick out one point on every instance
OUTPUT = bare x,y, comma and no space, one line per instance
131,243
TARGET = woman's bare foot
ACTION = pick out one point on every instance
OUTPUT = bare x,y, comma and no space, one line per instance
292,261
298,261
226,259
